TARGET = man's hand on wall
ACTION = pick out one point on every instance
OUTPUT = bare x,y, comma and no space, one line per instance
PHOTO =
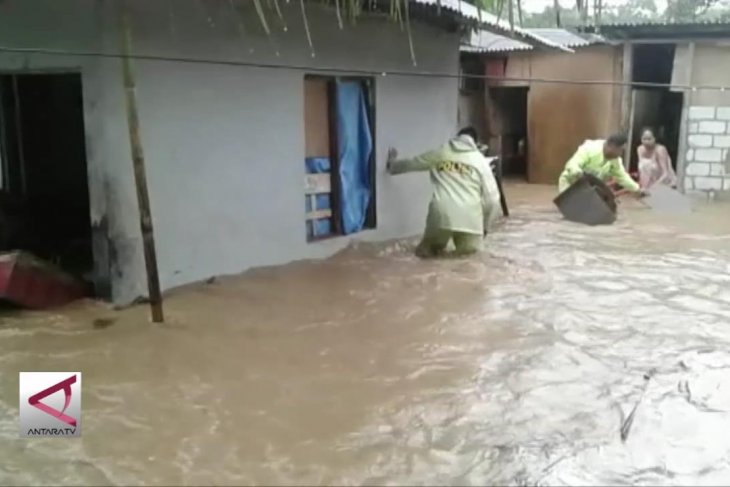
392,156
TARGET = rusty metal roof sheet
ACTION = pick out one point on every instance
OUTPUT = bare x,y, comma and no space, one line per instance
485,42
482,41
489,22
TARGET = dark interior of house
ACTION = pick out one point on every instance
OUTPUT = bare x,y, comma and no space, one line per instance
45,195
656,107
670,123
509,126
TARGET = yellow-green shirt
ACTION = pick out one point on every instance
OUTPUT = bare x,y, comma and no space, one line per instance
589,158
465,192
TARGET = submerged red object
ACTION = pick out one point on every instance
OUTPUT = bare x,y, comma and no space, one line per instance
30,282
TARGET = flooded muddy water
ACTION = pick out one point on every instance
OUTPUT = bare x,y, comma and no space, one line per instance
521,366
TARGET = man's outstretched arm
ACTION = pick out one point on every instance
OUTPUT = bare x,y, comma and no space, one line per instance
423,162
622,177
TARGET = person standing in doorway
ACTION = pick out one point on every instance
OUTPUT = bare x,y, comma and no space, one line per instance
465,199
602,159
655,164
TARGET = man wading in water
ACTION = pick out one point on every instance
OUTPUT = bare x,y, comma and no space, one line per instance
465,194
602,159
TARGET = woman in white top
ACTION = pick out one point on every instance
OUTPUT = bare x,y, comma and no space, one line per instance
655,164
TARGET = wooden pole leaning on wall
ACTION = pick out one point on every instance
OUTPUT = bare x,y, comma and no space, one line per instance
140,177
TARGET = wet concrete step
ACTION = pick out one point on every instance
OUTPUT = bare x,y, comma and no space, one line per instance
664,199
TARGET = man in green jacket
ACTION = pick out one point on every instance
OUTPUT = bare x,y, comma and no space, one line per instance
465,198
602,159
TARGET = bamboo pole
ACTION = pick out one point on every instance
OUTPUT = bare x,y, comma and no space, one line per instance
145,212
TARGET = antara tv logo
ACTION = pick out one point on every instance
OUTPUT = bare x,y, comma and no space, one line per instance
50,404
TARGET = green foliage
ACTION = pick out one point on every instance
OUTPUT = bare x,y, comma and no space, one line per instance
633,11
689,10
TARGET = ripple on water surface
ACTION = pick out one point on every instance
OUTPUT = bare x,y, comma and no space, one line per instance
522,366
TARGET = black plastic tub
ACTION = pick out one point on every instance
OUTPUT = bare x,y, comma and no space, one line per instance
589,201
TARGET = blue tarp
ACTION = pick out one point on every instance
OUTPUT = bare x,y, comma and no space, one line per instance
355,146
323,226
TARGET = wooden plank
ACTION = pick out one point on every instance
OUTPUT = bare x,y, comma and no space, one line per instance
553,135
630,132
684,124
140,176
312,207
627,98
316,117
317,183
319,214
335,196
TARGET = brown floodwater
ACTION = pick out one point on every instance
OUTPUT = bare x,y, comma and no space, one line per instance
519,366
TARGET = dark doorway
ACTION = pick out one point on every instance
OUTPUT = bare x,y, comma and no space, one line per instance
508,129
44,166
657,108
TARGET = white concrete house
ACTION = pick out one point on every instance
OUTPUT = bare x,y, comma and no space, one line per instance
228,116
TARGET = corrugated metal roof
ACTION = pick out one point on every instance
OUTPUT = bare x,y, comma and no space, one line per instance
649,30
483,41
489,22
655,23
489,42
565,38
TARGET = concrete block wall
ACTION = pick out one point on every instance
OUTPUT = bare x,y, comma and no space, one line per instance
707,163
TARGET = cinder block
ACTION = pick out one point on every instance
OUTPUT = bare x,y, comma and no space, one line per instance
701,113
721,141
698,169
712,127
723,113
717,169
708,155
707,184
696,141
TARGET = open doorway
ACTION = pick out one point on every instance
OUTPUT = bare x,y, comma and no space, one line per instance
655,107
45,191
508,129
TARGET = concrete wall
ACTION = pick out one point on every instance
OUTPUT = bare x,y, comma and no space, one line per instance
561,116
707,165
225,144
471,112
709,68
706,162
